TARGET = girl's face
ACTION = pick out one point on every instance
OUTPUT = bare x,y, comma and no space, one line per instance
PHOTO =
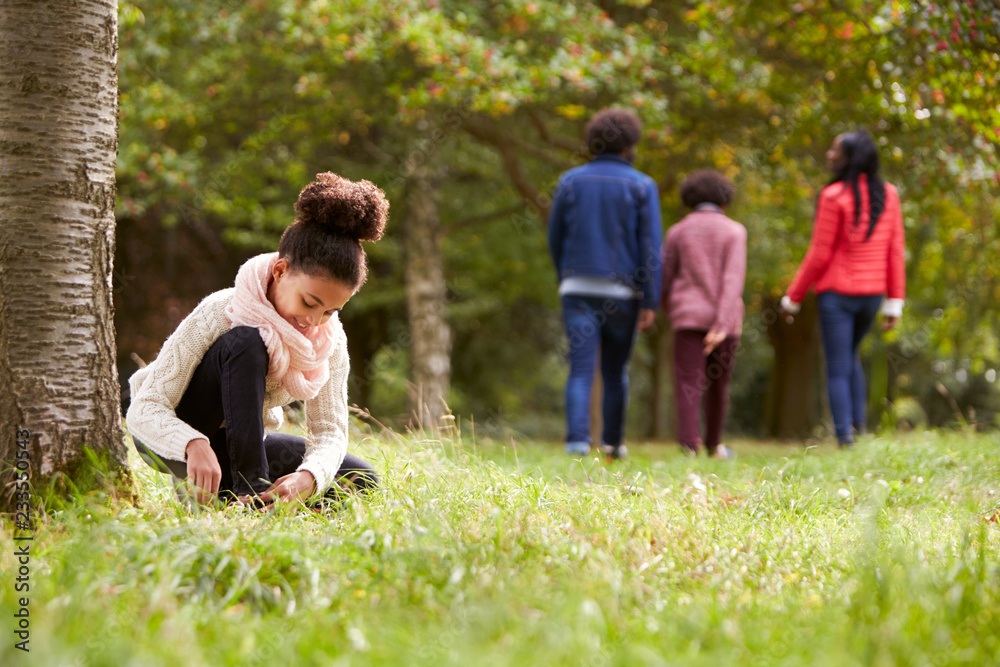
835,157
303,300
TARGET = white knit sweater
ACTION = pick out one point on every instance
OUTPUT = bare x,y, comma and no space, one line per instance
157,389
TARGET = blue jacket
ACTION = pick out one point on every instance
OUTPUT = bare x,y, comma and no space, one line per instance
605,223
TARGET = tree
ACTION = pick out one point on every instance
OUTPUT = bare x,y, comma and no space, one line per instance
426,294
466,113
58,142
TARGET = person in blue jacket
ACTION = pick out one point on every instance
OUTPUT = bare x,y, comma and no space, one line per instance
605,235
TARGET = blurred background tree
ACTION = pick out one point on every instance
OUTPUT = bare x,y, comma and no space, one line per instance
466,114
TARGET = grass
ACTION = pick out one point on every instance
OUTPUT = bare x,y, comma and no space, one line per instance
510,553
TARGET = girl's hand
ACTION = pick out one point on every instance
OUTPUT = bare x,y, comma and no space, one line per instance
889,322
203,469
291,487
712,340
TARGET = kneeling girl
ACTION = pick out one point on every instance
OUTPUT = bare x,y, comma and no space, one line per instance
208,403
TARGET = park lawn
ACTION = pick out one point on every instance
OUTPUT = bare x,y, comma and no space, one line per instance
511,553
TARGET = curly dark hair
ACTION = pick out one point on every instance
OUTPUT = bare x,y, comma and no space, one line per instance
706,186
612,131
335,215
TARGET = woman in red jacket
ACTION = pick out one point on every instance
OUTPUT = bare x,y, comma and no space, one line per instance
855,259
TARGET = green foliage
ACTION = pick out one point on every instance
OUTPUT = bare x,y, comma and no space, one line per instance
97,475
228,109
483,552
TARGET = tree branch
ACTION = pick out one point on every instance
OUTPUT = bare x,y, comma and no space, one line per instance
491,135
564,143
486,217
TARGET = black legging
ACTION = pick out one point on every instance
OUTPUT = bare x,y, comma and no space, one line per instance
228,388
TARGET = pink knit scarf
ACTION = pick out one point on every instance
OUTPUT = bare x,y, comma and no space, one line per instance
298,362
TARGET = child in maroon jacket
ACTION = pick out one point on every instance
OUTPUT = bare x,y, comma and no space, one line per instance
704,268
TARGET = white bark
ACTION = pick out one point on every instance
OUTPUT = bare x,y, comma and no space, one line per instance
426,298
58,147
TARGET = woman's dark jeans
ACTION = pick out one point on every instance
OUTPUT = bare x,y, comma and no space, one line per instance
608,326
225,401
844,321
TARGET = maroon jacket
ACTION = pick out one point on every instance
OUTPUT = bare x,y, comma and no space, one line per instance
704,268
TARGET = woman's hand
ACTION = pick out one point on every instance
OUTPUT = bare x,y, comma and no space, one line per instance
291,487
203,469
789,309
889,322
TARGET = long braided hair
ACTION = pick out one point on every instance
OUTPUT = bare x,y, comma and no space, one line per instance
861,155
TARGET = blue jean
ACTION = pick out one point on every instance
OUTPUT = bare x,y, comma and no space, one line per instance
608,326
844,321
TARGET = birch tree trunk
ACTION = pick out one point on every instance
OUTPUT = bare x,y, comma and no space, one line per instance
426,299
58,147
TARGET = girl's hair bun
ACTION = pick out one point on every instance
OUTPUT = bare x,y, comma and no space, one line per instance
356,209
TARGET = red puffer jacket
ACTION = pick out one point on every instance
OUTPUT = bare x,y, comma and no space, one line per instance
841,260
